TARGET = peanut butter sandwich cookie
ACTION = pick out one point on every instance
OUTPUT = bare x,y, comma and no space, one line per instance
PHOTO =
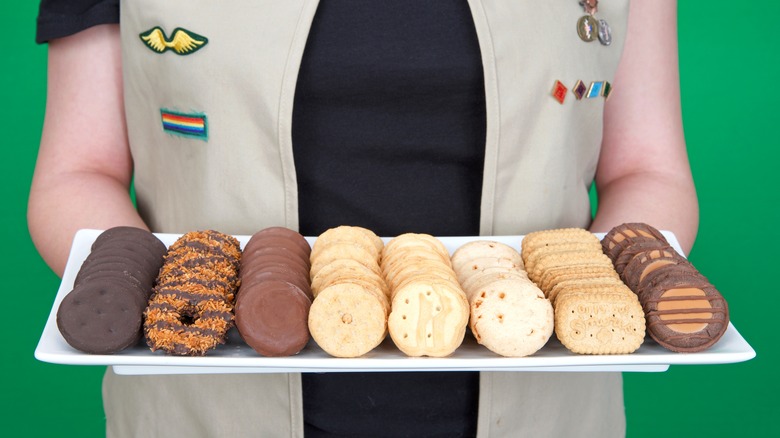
429,311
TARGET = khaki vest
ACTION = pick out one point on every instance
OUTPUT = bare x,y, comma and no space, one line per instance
237,175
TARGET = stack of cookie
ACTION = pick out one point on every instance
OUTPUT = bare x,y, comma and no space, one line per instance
429,309
272,306
191,308
509,313
348,317
685,313
103,314
595,313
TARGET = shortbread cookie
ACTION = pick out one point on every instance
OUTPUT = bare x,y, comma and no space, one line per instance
346,320
417,240
484,248
511,318
352,234
556,236
594,321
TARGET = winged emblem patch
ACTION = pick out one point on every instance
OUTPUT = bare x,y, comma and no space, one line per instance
182,42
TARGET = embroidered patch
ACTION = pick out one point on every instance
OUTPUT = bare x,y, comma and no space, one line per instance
188,125
182,42
559,92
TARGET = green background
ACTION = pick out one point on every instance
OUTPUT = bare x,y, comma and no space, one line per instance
730,78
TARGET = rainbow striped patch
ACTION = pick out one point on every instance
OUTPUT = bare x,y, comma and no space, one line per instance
188,125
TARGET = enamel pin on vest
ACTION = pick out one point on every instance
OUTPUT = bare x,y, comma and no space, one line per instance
589,27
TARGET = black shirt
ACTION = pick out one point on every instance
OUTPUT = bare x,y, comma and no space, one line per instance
388,133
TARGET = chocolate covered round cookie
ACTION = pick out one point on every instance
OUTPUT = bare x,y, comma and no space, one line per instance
272,317
101,317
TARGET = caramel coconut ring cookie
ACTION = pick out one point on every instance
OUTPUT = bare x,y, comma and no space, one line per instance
103,313
348,317
274,299
187,314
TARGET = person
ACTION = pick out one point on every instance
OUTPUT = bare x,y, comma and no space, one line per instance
398,116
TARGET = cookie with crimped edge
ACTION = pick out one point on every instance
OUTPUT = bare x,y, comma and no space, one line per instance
596,320
511,317
534,254
553,276
553,236
567,258
578,282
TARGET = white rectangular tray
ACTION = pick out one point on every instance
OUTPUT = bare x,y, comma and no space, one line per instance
237,357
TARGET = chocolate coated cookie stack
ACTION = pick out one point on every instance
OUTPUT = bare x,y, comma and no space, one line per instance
191,309
272,308
684,312
103,314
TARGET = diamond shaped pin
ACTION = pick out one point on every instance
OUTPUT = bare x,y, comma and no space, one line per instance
595,89
559,92
579,89
607,89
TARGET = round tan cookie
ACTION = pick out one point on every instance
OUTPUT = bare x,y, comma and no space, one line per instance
344,267
343,251
352,234
484,248
347,321
417,240
480,264
477,281
511,319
